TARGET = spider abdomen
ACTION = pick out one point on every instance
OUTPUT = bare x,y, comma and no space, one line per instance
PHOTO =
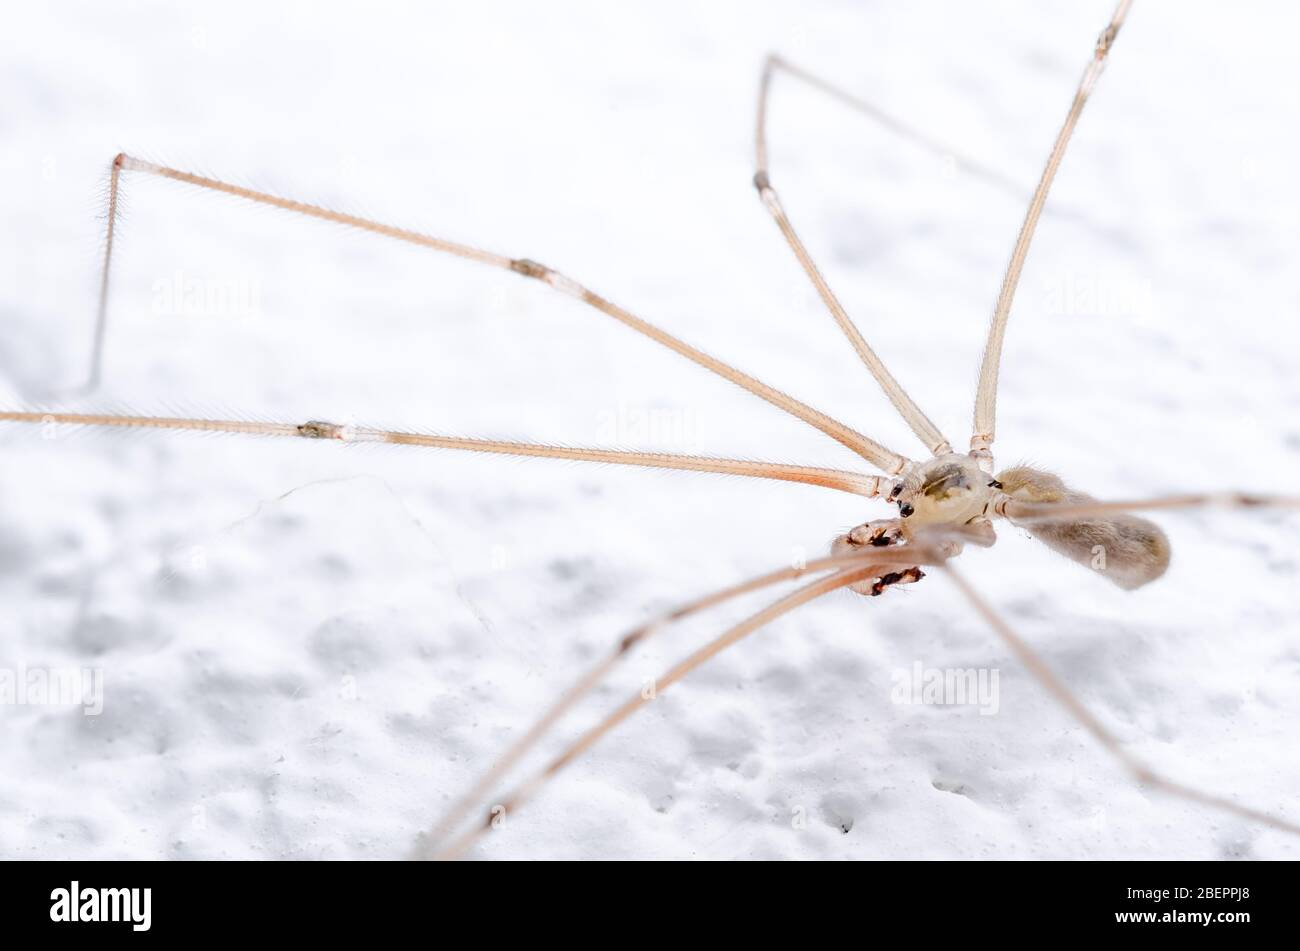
1125,549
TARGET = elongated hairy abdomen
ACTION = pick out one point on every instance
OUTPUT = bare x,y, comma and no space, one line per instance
1127,550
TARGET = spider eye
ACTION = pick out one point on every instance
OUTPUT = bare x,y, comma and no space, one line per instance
995,484
896,491
906,509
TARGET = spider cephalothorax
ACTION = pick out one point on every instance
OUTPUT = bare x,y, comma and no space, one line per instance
946,495
947,490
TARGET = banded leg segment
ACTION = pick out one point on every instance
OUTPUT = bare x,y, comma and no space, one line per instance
986,396
907,408
851,482
885,459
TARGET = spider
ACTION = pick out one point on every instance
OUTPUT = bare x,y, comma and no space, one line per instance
944,501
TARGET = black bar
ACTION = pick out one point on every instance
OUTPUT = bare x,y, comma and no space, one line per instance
935,902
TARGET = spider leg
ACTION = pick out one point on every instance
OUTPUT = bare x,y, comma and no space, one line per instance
878,561
849,570
986,396
1032,512
852,482
907,408
992,176
885,459
101,311
1066,698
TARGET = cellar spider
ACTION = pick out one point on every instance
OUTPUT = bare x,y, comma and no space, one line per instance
944,501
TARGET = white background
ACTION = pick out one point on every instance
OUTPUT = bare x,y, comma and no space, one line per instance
318,674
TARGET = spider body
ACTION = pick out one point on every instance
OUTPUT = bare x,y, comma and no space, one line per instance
951,498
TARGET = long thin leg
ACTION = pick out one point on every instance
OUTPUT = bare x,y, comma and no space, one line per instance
101,310
936,147
852,482
1063,695
907,408
1058,511
888,461
908,556
869,109
986,396
525,791
842,578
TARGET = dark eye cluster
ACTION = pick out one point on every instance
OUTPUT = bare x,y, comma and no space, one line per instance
904,509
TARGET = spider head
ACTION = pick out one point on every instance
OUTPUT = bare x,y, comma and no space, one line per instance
949,489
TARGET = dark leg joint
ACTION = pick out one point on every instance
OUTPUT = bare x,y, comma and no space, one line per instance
315,429
529,268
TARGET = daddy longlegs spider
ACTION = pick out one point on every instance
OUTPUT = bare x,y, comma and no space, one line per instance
944,502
